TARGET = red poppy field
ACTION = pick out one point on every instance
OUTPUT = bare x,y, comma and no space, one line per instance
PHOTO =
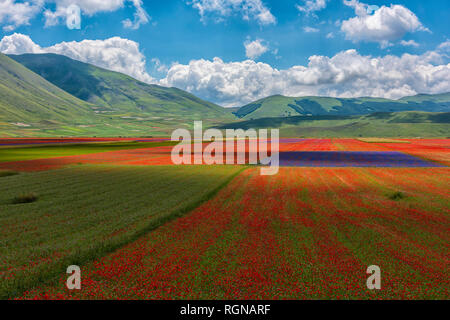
305,233
436,151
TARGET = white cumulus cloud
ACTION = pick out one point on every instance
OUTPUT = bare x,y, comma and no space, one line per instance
14,14
91,7
386,24
19,44
310,30
249,9
117,54
347,74
409,43
445,46
311,6
140,17
254,49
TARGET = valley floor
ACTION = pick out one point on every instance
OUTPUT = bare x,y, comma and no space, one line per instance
310,232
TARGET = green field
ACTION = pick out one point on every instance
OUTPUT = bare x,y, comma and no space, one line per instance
60,150
306,233
84,212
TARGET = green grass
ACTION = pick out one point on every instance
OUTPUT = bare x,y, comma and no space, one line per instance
61,150
86,212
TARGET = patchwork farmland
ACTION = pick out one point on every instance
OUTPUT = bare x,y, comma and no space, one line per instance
142,228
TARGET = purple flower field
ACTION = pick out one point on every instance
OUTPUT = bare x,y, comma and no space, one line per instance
352,159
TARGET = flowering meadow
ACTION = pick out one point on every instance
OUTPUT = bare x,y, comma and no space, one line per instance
308,152
302,234
352,159
83,212
141,228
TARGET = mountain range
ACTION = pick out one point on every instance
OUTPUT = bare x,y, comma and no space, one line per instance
50,95
114,92
407,124
281,106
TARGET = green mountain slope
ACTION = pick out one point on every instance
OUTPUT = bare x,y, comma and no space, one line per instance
281,106
25,97
82,100
437,98
119,94
384,124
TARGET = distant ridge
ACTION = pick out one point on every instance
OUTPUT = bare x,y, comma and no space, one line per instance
281,106
408,124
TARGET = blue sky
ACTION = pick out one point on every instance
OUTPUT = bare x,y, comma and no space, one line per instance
282,35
